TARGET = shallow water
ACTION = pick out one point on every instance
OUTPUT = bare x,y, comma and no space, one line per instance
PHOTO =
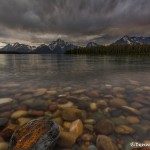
98,78
62,69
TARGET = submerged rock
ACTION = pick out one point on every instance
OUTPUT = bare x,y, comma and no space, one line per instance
18,114
119,89
68,104
90,121
93,107
35,135
105,143
141,129
104,127
87,139
93,94
40,92
133,119
5,101
36,104
53,107
131,110
118,102
79,91
3,146
3,121
35,113
124,129
101,104
66,140
7,132
72,114
119,120
67,125
136,105
51,92
23,121
58,120
92,147
77,128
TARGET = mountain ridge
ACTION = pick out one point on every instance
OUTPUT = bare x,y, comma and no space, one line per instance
132,40
92,44
59,46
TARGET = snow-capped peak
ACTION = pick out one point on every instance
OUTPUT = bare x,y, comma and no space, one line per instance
132,40
91,44
60,44
57,47
17,47
126,37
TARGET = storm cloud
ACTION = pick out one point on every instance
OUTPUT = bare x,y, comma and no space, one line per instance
76,20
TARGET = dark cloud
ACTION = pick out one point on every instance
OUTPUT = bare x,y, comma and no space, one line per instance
73,19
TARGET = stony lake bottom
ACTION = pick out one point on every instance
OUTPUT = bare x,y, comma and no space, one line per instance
106,100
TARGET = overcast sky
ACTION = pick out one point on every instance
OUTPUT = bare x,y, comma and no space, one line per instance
79,21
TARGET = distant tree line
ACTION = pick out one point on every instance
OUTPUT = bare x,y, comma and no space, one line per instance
113,50
8,52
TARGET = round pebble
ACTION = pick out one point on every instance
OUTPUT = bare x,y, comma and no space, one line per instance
4,101
3,146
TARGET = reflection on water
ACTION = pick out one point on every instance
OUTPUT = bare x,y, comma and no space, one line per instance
60,68
99,85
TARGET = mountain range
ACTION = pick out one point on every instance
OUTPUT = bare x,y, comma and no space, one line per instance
91,44
16,47
56,47
59,46
132,40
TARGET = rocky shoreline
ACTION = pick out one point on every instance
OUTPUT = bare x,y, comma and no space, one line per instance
102,117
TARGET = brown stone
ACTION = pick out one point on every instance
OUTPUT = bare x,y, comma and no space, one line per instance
58,120
72,114
133,119
53,107
6,101
37,134
118,102
131,110
93,107
87,137
79,91
76,128
104,127
7,132
6,114
89,128
52,92
119,89
124,129
105,143
3,146
21,107
93,94
101,104
36,113
40,92
67,125
23,121
18,114
90,121
66,140
1,139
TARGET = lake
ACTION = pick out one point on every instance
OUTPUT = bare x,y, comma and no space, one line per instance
113,92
